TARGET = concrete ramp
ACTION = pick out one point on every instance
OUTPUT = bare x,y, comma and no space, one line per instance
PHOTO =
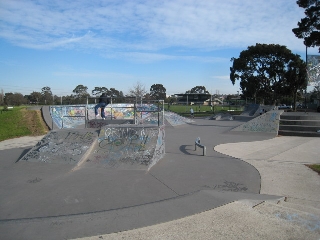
267,122
62,146
112,146
251,110
128,147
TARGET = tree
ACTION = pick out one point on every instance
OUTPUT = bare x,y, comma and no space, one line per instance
1,97
81,92
295,78
34,97
97,91
158,92
268,71
46,95
8,98
56,100
309,27
198,89
138,90
15,99
171,99
116,95
68,99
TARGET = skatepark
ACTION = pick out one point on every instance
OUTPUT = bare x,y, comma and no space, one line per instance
84,182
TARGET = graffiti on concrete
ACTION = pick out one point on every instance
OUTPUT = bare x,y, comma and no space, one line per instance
313,70
72,116
96,123
149,118
68,116
175,119
61,146
309,221
231,186
125,145
36,180
114,111
159,151
268,122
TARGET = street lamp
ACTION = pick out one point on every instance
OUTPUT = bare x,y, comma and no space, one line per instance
305,93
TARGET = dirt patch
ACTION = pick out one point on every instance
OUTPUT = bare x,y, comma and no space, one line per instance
34,122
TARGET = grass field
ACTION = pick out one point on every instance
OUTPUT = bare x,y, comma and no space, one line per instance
200,111
19,121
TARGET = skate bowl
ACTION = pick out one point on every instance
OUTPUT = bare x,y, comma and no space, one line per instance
112,146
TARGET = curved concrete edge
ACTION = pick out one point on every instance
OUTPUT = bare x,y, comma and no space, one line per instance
281,163
226,153
232,221
45,111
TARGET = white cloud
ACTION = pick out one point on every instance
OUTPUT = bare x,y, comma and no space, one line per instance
149,25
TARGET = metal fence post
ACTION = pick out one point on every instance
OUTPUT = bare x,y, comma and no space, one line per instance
111,107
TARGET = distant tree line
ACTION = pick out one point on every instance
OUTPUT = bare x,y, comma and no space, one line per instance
80,95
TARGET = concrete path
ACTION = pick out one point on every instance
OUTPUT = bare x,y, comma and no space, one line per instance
185,183
280,162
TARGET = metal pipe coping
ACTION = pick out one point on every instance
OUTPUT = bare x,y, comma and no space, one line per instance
197,143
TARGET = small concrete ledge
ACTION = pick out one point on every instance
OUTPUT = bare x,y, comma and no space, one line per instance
198,144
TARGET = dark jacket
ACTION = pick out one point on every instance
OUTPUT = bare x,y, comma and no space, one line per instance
104,99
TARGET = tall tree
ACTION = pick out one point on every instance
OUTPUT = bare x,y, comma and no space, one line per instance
268,71
46,95
138,90
158,92
8,98
35,97
81,91
309,27
117,96
97,91
198,89
15,99
1,97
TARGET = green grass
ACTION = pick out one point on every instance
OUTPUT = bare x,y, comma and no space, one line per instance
18,122
314,167
12,124
202,110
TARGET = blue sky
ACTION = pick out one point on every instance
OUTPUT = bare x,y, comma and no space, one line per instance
117,43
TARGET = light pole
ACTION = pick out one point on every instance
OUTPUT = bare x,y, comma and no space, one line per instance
305,93
295,92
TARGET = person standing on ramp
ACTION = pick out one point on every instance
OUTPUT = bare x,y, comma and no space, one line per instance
103,102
